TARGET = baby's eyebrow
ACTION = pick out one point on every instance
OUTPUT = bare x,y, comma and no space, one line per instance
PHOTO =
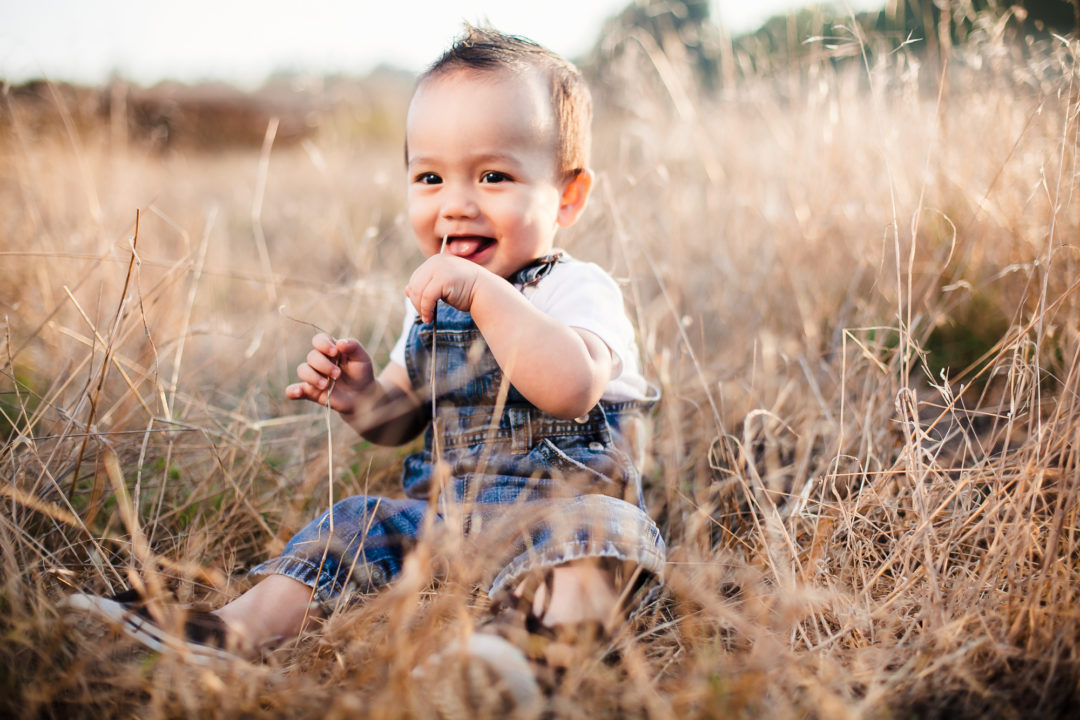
418,160
478,159
496,157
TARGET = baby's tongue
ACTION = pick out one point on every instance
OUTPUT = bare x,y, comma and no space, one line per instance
464,247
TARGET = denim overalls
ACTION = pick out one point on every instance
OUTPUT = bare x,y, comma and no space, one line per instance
546,490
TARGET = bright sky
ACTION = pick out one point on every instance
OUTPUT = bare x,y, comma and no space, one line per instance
244,40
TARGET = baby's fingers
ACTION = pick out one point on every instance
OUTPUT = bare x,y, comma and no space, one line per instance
312,377
424,297
354,363
305,391
325,344
322,364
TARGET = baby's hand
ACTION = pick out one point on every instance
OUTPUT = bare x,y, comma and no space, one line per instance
443,277
336,369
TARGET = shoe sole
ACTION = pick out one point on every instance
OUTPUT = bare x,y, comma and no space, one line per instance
144,630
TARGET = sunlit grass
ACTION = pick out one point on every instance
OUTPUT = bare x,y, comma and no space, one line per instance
857,293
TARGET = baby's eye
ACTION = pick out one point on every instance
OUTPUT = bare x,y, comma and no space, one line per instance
493,176
428,178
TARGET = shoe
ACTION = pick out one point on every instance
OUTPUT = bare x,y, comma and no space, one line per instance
551,651
509,666
486,676
204,638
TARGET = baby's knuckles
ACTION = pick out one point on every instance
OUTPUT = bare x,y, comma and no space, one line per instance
459,280
443,277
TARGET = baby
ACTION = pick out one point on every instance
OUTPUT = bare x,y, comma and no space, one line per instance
528,354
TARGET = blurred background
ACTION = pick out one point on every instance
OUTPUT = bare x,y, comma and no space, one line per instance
212,73
245,42
846,235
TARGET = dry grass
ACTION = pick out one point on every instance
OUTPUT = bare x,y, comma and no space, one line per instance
854,530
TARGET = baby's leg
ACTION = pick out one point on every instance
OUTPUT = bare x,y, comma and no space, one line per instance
358,545
584,591
581,591
595,587
274,609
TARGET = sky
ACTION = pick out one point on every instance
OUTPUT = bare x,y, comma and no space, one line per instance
243,41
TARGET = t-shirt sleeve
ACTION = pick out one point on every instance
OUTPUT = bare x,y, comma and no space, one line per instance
582,295
397,353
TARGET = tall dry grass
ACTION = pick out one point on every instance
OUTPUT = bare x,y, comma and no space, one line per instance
855,283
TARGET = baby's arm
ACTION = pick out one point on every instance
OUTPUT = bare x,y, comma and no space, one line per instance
559,369
381,409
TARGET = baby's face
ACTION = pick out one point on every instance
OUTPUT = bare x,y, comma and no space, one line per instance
482,168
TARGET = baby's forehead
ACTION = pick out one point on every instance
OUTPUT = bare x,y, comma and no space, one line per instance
523,93
510,77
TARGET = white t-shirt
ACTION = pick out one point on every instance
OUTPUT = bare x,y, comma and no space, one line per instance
579,295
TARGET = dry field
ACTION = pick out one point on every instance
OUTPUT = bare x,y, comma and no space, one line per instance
855,283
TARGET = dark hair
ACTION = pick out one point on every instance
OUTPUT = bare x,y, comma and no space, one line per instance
485,49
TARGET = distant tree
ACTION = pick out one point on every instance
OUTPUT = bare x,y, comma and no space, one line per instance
684,26
683,30
933,24
943,22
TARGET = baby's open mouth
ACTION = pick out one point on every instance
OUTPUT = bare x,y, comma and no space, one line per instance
468,246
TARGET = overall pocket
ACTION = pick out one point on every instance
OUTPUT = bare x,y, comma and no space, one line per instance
588,468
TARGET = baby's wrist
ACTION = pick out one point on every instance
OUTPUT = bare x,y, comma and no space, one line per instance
485,285
363,398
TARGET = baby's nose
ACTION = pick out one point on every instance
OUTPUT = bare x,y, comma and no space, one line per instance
459,202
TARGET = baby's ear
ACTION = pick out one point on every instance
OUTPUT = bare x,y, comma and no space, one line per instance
574,196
